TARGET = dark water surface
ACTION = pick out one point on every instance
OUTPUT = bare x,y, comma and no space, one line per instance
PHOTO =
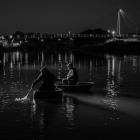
110,111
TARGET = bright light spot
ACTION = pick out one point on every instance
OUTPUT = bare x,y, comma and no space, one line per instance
121,11
10,36
108,31
113,32
11,65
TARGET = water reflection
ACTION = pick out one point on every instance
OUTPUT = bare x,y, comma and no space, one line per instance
17,66
60,67
48,118
109,72
90,68
112,86
135,62
113,76
69,111
41,115
24,60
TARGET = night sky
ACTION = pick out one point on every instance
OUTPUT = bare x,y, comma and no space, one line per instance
61,16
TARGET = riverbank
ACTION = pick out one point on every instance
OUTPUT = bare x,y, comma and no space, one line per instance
99,48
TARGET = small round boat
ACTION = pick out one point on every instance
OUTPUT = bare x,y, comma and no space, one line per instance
79,87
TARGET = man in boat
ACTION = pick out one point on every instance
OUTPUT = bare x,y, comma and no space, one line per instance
47,80
72,75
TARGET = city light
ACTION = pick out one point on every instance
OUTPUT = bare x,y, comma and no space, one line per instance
113,32
121,11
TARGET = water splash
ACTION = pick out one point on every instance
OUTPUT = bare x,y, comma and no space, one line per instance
22,100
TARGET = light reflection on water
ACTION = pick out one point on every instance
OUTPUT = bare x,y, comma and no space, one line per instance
116,78
69,108
112,86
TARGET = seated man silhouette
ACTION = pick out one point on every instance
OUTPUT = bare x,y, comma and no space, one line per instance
72,75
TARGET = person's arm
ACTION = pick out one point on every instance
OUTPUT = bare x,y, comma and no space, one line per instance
70,74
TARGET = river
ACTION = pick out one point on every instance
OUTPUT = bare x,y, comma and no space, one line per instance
111,110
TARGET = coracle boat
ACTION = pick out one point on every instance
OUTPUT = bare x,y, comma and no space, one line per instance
79,87
51,95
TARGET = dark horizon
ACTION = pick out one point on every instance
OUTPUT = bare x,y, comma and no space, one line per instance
62,16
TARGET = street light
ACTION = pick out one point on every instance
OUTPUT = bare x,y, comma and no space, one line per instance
113,33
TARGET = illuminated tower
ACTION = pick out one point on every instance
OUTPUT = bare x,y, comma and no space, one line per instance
119,23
